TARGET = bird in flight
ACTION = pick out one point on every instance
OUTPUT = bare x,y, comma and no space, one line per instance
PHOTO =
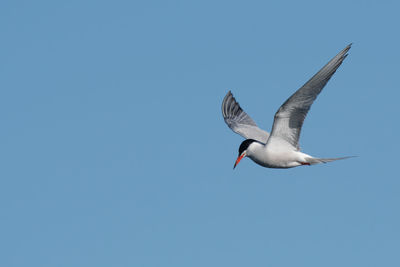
280,148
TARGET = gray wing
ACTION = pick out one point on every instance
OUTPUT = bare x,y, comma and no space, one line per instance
240,122
290,116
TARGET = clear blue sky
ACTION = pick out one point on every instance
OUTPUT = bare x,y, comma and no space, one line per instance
114,151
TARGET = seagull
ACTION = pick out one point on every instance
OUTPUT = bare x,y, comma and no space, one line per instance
280,148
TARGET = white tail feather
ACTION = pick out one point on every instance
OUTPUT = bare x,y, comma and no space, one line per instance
313,161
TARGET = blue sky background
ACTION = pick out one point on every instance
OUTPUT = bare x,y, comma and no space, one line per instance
114,151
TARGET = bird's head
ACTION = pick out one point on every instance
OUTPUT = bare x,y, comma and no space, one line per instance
243,150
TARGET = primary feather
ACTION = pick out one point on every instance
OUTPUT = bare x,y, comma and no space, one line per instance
290,116
240,122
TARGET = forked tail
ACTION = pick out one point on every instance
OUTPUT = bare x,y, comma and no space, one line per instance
313,161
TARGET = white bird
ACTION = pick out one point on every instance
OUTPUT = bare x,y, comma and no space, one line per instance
280,149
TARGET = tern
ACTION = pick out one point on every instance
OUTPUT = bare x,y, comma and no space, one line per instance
280,148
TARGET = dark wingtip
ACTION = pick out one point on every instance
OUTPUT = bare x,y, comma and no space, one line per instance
223,106
347,48
228,104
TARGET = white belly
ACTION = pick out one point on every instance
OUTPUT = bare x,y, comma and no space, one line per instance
280,156
276,160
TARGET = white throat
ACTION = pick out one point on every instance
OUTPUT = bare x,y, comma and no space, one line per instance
254,149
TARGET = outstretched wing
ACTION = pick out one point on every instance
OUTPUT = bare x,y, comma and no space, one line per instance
290,116
240,122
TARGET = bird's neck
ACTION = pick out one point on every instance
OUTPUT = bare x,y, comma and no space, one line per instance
254,148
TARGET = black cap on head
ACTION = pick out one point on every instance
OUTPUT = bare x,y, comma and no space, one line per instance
245,144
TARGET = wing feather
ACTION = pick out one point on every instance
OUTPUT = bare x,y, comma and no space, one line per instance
290,116
240,122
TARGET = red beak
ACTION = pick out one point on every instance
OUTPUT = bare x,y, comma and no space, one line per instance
239,159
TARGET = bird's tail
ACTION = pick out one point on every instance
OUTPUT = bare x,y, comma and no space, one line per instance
313,161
